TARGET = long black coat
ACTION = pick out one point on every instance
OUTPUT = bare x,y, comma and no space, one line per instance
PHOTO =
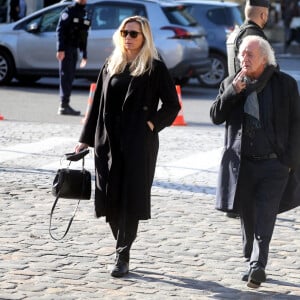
139,143
228,108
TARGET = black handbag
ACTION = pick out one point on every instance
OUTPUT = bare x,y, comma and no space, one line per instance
71,184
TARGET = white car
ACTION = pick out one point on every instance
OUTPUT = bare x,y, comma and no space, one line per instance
28,46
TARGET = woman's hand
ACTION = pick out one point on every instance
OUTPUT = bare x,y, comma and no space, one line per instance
151,126
80,147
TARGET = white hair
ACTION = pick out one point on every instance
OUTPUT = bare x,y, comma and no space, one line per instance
264,46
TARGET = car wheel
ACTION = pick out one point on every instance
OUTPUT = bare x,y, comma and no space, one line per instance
217,73
28,78
6,67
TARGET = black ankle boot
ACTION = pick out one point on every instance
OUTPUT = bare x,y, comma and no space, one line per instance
257,275
120,269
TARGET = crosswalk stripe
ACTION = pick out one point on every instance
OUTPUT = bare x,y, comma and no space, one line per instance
172,170
190,165
23,149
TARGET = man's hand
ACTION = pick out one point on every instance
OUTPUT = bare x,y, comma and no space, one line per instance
60,55
239,83
83,62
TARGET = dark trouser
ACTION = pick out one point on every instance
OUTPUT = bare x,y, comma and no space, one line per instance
67,69
124,231
261,185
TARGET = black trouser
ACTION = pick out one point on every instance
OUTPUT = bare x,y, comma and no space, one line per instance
124,231
260,188
67,68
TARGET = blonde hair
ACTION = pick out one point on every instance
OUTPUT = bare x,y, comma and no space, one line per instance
143,61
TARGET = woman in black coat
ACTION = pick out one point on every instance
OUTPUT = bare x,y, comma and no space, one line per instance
123,126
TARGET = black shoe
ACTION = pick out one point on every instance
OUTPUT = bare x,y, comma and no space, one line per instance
257,275
67,110
232,215
120,269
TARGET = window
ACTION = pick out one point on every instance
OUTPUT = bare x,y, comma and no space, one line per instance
179,15
50,20
111,16
225,16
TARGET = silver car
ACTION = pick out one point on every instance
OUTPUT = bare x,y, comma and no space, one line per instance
28,46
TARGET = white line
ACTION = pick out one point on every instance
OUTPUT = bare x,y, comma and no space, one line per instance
88,164
20,150
190,165
172,170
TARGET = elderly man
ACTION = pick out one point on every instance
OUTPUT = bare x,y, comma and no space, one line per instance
259,171
256,16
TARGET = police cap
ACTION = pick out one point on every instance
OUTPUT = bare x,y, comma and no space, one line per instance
262,3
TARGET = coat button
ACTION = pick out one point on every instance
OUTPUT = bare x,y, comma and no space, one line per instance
145,108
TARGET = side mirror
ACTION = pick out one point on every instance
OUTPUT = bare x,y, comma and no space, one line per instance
33,27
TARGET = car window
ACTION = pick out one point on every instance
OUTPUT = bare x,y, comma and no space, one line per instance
110,16
178,15
236,15
50,20
47,21
224,16
217,16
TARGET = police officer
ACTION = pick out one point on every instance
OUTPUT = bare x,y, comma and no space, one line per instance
256,17
14,10
72,33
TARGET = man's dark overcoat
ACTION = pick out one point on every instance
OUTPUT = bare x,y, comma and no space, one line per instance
228,108
138,142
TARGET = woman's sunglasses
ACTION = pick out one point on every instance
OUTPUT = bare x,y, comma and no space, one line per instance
133,34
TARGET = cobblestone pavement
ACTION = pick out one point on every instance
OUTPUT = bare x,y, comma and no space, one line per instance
188,250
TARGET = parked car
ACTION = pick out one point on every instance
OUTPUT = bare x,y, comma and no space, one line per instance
218,19
28,46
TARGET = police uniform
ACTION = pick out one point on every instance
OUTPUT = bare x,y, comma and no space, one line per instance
72,33
235,38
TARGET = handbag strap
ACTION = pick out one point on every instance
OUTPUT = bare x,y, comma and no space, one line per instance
51,216
70,221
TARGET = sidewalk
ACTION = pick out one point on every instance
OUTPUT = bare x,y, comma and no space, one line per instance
188,250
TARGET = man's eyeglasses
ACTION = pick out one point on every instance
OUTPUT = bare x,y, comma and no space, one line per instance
133,34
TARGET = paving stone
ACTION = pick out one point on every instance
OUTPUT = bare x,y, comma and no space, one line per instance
188,250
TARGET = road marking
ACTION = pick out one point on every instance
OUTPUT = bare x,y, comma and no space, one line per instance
21,150
174,170
190,165
88,164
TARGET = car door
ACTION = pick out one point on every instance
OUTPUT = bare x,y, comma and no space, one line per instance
37,45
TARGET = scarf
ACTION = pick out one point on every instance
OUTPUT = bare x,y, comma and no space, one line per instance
251,106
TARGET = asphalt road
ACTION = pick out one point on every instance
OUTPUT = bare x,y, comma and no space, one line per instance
39,102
